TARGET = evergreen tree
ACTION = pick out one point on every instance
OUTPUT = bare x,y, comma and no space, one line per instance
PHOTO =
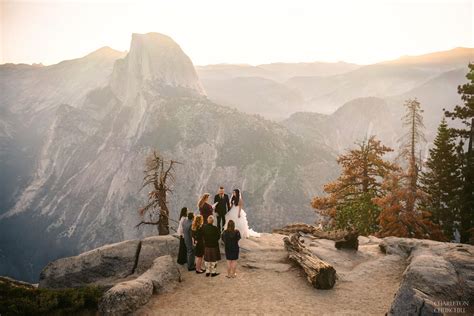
441,181
413,120
348,202
397,218
402,212
465,113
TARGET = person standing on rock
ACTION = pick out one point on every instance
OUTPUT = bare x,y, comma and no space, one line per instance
182,252
188,240
198,242
222,202
205,209
231,237
212,253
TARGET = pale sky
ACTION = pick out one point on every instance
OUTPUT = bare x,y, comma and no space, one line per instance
242,31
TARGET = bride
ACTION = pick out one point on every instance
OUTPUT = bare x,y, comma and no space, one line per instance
238,215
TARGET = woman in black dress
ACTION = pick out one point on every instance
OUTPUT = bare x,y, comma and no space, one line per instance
198,241
231,238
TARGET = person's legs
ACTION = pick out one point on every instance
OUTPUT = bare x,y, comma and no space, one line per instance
190,258
220,222
234,267
198,263
229,267
213,267
218,217
208,267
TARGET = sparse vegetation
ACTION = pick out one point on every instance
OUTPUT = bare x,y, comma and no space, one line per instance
21,299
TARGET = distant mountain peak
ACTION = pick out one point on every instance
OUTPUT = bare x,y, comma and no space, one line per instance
366,106
154,57
106,51
458,55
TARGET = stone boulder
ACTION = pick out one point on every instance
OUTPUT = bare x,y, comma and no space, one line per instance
164,274
154,247
108,265
126,297
102,266
437,280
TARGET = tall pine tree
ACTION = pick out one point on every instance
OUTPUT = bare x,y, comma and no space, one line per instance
465,113
441,181
402,213
413,120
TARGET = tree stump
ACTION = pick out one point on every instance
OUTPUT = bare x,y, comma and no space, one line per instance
349,241
319,273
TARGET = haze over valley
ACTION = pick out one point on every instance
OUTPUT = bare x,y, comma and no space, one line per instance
74,136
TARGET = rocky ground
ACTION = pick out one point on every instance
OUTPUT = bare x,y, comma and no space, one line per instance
268,284
390,276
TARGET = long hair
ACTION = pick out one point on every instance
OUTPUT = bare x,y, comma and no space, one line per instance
230,226
184,212
202,200
236,198
197,222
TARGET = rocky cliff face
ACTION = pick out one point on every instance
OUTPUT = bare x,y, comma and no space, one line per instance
153,59
351,123
80,160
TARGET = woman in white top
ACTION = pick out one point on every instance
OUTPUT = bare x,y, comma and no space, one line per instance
182,246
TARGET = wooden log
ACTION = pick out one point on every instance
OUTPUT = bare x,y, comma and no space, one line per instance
347,239
319,273
294,228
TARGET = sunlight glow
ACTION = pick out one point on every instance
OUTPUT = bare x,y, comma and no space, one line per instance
244,31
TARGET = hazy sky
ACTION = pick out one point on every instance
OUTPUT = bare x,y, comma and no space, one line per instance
241,31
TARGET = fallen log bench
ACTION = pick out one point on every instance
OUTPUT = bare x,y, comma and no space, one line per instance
295,228
347,239
319,273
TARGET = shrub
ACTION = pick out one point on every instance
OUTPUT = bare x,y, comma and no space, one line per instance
17,299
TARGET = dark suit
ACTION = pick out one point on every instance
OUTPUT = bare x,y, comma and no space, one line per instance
222,207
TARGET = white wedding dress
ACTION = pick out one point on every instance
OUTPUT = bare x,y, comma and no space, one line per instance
240,223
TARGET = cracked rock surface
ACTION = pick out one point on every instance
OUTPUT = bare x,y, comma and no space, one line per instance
107,265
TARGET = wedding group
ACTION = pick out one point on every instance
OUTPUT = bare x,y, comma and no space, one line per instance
200,233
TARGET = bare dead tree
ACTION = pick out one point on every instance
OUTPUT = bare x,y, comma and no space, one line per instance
159,175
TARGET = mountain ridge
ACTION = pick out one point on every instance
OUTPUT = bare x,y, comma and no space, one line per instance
83,188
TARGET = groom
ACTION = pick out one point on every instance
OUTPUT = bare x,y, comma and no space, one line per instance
222,207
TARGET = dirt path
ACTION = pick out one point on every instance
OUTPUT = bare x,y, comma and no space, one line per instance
268,284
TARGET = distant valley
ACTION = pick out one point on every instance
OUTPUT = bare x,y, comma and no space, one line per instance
74,136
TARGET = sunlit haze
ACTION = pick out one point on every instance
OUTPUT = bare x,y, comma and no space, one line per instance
241,31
